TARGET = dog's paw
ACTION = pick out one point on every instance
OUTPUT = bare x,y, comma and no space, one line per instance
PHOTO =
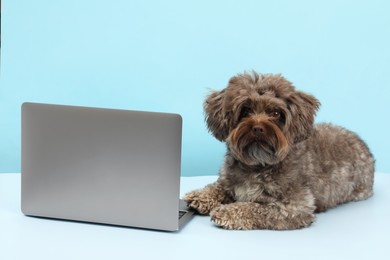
201,201
232,216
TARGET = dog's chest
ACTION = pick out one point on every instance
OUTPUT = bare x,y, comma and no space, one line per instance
251,189
248,186
247,192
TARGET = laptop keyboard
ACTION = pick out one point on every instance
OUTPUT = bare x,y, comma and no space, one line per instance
182,213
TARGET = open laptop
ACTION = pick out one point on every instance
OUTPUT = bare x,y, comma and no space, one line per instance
107,166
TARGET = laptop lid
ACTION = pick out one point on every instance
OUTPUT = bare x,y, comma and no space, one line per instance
101,165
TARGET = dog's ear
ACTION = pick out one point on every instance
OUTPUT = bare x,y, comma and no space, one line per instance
216,118
303,108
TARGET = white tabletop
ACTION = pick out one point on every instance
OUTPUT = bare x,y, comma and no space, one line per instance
353,231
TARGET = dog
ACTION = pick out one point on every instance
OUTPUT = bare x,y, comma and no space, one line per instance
280,168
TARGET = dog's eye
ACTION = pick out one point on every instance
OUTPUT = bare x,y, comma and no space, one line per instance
245,112
275,114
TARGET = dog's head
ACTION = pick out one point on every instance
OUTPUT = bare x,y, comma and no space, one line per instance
260,117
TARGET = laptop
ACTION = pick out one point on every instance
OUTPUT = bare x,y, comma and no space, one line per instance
107,166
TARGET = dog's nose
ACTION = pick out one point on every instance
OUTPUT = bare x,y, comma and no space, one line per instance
258,129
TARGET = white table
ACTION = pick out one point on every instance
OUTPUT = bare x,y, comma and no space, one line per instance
352,231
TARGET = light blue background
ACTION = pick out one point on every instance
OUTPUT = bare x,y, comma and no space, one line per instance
166,55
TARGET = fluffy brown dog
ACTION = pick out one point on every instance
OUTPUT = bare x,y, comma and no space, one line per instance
279,168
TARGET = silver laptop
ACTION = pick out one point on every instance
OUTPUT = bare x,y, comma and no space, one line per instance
107,166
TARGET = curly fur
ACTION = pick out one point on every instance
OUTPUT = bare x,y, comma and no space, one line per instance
280,169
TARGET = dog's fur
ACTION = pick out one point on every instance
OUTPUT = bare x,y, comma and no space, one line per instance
279,168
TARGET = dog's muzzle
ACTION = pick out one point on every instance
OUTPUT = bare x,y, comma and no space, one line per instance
256,141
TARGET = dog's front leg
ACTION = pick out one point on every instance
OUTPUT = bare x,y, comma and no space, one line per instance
252,215
205,199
